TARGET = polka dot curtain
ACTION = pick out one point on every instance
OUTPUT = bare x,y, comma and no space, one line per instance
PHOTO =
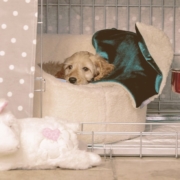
18,23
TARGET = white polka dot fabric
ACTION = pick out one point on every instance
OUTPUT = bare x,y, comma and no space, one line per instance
18,24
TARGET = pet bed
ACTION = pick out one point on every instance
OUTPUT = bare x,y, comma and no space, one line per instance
100,102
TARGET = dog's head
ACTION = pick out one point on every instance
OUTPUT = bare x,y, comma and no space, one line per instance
84,67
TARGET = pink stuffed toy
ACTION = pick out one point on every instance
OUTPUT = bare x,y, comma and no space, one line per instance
40,143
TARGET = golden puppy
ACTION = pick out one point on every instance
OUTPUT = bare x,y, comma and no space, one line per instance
84,67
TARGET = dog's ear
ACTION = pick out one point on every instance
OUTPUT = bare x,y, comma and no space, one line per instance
61,72
103,68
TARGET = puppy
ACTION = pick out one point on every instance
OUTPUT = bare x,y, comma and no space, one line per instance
84,67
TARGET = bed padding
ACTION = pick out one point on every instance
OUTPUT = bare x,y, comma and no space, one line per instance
100,102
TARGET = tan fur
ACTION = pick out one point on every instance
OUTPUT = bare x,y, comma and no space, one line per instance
97,67
103,67
54,68
75,66
84,67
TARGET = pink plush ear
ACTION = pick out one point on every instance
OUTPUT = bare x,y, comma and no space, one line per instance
3,104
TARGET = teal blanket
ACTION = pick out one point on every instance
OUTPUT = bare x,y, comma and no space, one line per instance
135,68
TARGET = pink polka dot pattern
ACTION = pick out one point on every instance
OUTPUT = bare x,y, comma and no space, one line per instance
17,55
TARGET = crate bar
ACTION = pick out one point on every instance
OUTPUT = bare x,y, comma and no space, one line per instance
58,18
139,10
69,17
41,58
105,14
104,146
100,5
128,15
168,101
140,150
47,11
162,14
81,11
122,146
161,118
174,24
176,149
116,16
93,133
43,83
159,104
93,19
173,34
172,148
147,152
150,14
41,38
159,98
163,111
92,140
112,165
120,123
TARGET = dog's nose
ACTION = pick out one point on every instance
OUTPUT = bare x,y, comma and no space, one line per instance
72,80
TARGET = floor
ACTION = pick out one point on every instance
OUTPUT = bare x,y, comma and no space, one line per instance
119,168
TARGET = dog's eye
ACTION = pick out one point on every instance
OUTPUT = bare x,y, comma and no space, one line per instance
85,69
69,67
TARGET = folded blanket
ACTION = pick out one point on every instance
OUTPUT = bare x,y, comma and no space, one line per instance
135,68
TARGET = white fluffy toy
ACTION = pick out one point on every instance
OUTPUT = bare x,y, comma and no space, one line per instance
40,143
